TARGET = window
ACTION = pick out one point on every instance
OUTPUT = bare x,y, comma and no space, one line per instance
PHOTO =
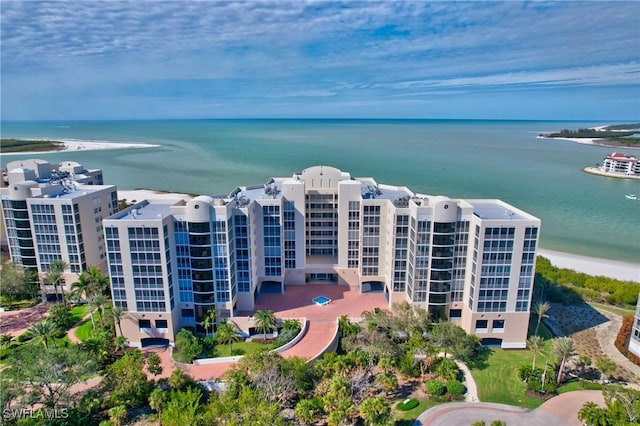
188,313
144,324
455,314
481,326
161,324
498,326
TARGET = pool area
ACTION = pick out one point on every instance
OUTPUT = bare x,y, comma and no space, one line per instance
321,300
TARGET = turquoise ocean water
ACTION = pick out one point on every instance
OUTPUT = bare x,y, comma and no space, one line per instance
581,213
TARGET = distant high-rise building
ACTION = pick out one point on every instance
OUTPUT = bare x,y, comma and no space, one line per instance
54,212
468,261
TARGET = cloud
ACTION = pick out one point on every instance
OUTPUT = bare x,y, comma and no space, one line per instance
310,49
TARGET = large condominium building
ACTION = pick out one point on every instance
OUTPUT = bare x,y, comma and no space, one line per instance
634,340
54,212
469,261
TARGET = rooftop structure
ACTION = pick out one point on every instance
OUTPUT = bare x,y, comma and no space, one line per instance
468,261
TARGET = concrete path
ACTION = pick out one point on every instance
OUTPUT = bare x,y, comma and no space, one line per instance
469,382
561,410
607,334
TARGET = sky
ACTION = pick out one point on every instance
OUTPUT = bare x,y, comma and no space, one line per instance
83,60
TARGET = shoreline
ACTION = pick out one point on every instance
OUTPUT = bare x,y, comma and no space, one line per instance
601,142
626,271
75,145
596,171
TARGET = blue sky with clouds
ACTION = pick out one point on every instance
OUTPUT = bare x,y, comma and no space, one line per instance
179,59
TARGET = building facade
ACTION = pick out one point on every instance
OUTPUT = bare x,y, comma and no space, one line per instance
54,212
634,340
624,164
469,261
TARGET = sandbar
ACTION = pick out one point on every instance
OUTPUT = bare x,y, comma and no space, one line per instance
71,145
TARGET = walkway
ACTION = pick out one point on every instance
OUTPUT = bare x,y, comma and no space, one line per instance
561,410
17,322
607,334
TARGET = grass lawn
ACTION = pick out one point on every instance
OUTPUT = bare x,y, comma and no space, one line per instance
577,385
496,374
613,309
78,312
85,330
245,347
406,418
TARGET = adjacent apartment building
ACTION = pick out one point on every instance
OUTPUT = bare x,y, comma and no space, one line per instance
468,261
54,212
634,340
623,164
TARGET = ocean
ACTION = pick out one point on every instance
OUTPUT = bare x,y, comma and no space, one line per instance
581,213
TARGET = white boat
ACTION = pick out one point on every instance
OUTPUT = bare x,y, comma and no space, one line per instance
632,196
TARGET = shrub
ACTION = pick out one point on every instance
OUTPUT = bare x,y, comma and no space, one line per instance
286,336
188,346
622,340
407,404
454,387
24,337
435,387
61,316
447,369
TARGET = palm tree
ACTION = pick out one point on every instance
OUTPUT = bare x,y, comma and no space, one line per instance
99,281
99,302
117,414
55,276
265,322
563,348
117,313
535,343
541,310
82,287
44,330
5,339
226,333
606,366
209,321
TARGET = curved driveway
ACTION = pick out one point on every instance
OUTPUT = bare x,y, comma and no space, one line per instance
561,410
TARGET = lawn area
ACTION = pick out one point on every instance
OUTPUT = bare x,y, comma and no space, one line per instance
78,312
496,374
243,348
85,330
577,385
406,418
623,312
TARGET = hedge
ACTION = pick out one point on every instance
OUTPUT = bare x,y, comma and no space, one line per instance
622,340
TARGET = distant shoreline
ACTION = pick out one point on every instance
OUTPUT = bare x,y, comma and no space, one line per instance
601,142
76,145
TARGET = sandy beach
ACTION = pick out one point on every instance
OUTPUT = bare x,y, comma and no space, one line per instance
593,266
86,145
602,142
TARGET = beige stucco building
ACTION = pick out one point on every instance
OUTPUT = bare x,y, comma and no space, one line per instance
469,261
54,212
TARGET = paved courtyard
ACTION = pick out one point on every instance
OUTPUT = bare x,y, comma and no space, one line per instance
295,302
